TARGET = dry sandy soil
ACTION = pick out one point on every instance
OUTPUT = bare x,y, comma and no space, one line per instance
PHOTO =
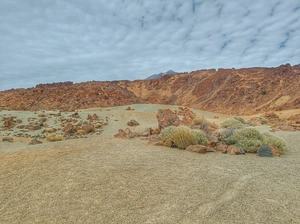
107,180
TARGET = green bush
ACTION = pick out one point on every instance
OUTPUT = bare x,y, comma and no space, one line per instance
263,120
183,137
203,123
249,139
201,138
273,141
240,119
167,132
232,123
223,134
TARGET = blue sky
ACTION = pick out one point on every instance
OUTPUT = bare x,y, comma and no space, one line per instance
45,41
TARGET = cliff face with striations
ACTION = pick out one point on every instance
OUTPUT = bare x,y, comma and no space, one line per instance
229,91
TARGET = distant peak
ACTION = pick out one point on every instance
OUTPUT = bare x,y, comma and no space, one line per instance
157,76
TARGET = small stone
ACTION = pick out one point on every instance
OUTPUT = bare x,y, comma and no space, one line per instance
7,139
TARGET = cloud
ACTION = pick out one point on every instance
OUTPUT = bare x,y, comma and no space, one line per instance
59,40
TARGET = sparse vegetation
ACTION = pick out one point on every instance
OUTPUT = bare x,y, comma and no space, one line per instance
54,137
273,141
239,119
249,139
182,136
232,123
202,123
201,138
263,120
167,132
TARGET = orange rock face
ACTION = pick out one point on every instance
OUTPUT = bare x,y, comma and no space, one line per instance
230,91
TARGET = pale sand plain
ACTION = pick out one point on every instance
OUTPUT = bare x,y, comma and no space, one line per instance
101,179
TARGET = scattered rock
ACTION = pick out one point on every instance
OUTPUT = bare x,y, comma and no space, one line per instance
166,118
128,108
7,139
234,150
34,142
121,134
88,128
197,148
155,142
147,132
132,122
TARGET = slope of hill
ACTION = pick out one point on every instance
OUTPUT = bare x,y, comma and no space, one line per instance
229,91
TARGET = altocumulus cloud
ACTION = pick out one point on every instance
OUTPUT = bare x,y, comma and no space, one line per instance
44,41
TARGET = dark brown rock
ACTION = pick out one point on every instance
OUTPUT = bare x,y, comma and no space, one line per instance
132,122
197,148
7,139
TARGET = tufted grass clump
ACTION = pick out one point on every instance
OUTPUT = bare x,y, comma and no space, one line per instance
232,123
182,136
54,137
201,138
239,119
273,141
167,132
249,139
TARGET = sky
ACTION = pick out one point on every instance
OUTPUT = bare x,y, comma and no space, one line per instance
46,41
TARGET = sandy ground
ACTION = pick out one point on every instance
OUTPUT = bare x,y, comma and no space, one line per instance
107,180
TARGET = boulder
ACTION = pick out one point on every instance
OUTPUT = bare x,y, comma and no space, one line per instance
188,117
147,132
121,134
132,122
196,148
275,151
34,142
264,151
166,118
235,150
129,133
88,128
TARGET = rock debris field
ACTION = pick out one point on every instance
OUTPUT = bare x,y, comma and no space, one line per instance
92,177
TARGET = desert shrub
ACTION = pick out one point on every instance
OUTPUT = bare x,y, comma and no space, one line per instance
201,138
273,141
250,123
263,120
55,137
232,123
249,139
223,134
239,119
202,123
167,132
183,137
80,132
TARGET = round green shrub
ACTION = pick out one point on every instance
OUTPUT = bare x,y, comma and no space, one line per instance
273,141
249,139
240,119
201,138
167,132
232,123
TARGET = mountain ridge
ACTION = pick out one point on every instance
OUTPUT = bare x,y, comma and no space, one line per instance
243,91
